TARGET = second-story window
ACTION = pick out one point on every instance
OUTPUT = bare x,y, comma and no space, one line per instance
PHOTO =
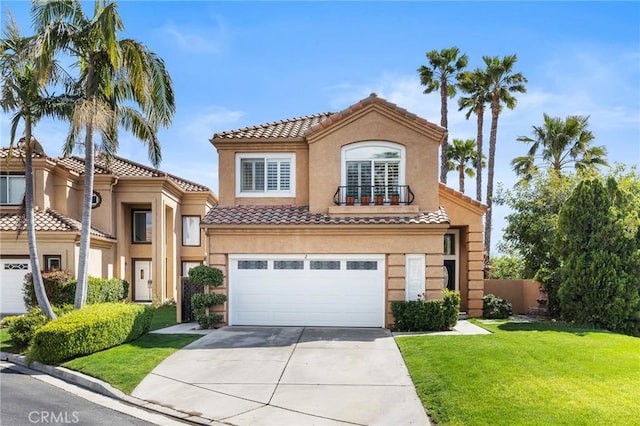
373,169
265,175
12,189
142,228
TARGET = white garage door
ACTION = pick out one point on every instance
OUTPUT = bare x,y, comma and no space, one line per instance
306,290
12,272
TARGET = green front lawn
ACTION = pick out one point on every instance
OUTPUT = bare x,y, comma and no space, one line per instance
126,365
164,316
527,374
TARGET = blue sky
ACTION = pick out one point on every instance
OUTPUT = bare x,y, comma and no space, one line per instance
237,64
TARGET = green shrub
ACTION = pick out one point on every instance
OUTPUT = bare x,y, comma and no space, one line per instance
61,289
494,307
90,329
6,321
207,275
427,315
202,303
22,328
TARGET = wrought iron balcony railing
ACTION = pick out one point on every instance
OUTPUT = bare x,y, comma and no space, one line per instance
391,195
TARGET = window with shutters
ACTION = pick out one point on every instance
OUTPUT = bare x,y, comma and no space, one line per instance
373,169
265,175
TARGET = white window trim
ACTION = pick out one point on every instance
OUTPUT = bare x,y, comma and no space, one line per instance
9,177
197,233
267,156
456,256
410,291
367,144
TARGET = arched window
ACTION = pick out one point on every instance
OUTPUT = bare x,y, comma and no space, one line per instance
373,169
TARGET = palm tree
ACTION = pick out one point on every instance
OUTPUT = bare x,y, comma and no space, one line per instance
462,156
561,143
476,85
23,94
443,68
115,75
502,83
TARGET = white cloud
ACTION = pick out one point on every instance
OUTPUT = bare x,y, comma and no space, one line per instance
216,119
211,39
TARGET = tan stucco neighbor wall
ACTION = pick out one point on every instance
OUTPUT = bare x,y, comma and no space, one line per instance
394,243
522,294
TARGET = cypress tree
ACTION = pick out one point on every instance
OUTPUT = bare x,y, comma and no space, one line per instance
599,258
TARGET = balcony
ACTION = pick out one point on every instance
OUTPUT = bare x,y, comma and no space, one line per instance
391,195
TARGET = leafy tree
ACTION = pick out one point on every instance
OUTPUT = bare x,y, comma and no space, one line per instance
115,75
560,143
476,85
462,156
503,81
600,260
23,93
532,224
439,75
509,266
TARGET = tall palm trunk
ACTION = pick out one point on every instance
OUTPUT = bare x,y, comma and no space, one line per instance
479,148
461,177
444,166
83,262
38,284
495,111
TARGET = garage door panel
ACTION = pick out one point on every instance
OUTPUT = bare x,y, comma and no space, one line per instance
12,272
329,295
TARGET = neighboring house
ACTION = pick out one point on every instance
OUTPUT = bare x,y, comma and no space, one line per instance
326,219
146,224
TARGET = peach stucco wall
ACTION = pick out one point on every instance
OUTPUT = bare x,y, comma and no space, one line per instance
522,294
325,165
392,242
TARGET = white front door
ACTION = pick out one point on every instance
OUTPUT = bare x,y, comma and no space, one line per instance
143,281
12,272
307,290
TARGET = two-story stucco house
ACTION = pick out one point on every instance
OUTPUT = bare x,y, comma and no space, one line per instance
146,224
325,219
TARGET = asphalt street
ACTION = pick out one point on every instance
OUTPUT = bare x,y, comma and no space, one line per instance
26,400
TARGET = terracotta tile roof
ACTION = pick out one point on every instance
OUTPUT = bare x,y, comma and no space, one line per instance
48,220
122,167
16,153
303,126
299,215
291,128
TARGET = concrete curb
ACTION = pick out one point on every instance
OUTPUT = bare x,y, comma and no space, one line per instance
100,387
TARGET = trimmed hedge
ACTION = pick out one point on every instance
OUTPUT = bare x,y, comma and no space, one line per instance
427,315
22,328
90,329
60,287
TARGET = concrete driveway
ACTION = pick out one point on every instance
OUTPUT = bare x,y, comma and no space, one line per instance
288,376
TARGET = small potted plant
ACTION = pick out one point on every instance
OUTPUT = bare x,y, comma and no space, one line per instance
365,197
378,199
394,198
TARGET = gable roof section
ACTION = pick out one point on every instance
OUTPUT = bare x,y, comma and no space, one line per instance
462,199
48,220
373,99
300,215
300,127
122,167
